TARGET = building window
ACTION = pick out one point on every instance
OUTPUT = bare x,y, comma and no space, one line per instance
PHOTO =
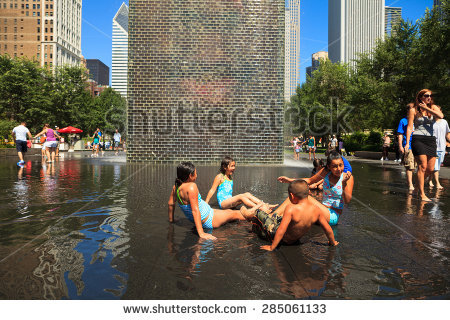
51,38
45,56
15,29
39,13
15,47
51,29
37,55
34,14
27,13
6,47
46,38
38,21
46,30
27,6
38,38
38,29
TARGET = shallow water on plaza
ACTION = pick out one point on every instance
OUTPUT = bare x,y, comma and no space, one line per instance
97,229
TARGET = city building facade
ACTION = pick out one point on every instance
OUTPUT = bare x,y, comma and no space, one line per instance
98,71
206,80
287,56
48,31
392,18
316,59
292,46
353,28
119,68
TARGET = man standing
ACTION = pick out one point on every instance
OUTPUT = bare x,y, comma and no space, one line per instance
408,159
441,131
117,141
20,136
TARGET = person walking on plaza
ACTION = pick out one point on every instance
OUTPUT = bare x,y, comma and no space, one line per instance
50,143
423,144
96,143
59,141
386,146
312,146
407,157
441,131
20,134
117,141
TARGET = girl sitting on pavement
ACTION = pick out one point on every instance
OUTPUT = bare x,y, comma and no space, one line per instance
185,193
337,187
223,183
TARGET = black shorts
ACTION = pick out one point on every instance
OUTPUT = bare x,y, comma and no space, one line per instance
423,145
21,146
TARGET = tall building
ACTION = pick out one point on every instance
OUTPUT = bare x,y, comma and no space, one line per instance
353,28
316,60
46,31
287,56
206,80
392,17
292,43
119,72
98,71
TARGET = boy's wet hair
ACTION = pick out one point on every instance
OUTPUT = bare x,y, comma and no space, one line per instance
225,163
299,188
184,170
334,155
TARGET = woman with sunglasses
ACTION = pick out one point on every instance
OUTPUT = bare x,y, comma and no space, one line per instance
423,144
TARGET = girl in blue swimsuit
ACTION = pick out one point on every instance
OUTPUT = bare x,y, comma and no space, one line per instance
185,193
223,183
337,187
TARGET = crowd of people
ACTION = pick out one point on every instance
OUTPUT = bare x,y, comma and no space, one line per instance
50,140
423,136
310,143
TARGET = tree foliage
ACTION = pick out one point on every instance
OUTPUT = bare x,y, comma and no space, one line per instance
373,94
59,97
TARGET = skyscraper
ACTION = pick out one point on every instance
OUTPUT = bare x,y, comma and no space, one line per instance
287,56
98,71
292,45
392,17
119,72
47,32
353,27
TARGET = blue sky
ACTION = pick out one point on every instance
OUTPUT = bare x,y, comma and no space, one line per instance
96,39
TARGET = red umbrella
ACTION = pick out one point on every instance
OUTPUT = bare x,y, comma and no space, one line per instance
70,130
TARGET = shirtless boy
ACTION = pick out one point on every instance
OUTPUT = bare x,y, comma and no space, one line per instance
297,219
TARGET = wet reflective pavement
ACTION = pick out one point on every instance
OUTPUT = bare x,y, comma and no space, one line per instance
97,229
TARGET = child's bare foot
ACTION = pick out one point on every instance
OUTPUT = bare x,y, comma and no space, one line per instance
250,213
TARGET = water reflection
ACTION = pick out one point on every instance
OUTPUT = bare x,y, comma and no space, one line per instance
99,230
50,249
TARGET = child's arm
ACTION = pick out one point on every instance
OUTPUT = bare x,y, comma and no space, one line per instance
171,204
193,200
320,175
287,216
216,182
409,128
284,179
327,229
40,134
347,185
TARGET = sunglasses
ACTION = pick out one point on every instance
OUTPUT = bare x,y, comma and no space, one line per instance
427,95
